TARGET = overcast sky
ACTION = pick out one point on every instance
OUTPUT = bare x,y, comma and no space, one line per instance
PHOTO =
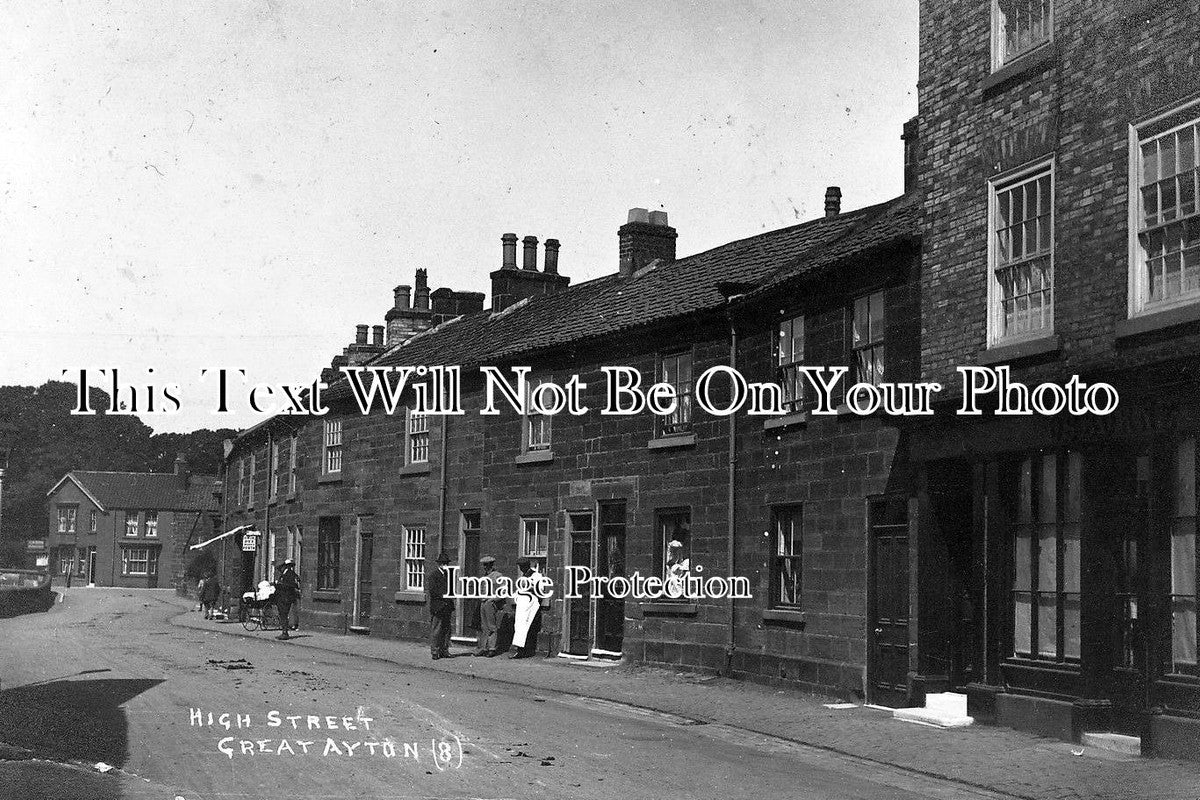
205,184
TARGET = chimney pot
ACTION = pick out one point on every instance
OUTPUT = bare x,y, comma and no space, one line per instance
422,296
377,335
833,201
638,215
360,334
509,247
551,265
530,243
403,297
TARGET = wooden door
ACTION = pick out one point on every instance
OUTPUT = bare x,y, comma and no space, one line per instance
887,622
610,561
579,610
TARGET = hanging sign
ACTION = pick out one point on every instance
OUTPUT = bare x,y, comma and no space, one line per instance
250,541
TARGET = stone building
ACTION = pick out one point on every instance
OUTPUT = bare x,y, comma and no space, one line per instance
365,502
1056,555
130,528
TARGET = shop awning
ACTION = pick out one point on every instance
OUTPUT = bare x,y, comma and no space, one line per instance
219,537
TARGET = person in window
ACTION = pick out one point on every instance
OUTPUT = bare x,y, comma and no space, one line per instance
528,614
441,608
287,591
677,568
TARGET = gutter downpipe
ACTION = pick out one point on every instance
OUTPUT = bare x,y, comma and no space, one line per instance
732,495
442,487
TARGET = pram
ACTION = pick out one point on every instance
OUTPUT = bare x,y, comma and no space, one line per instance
258,609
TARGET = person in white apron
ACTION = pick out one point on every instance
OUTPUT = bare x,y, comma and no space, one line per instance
528,615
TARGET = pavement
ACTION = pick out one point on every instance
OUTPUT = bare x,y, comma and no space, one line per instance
123,680
997,759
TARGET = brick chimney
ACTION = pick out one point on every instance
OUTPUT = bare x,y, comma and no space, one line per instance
182,471
448,304
833,201
910,137
360,351
404,319
646,236
511,285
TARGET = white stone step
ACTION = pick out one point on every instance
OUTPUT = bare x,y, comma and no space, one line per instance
943,710
1114,743
951,703
925,716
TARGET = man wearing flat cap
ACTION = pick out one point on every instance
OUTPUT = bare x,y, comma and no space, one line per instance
490,608
441,608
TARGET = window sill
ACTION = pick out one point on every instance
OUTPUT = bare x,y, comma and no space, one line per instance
785,616
419,468
411,598
330,477
291,496
1026,63
787,421
669,442
327,596
1018,351
534,457
669,609
1148,322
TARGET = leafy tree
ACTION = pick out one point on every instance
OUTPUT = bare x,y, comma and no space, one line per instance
45,441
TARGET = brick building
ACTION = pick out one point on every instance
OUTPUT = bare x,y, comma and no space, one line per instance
130,528
364,502
1056,560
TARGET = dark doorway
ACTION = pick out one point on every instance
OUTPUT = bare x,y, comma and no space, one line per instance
579,613
887,629
91,565
366,554
469,555
610,562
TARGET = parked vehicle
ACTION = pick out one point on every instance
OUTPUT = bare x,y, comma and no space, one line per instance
23,591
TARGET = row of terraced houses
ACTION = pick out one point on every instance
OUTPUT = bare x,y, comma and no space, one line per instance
1043,566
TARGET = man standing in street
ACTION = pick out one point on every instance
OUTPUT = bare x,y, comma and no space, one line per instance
489,609
287,591
441,608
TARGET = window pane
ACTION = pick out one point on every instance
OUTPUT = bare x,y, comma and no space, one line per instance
877,319
1183,632
1071,626
1021,623
861,321
1047,558
1048,625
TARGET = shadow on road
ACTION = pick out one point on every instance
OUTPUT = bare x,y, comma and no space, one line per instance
76,720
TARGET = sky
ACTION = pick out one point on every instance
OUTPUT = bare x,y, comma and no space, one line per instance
205,185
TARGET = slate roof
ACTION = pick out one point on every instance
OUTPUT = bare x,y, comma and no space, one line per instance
659,293
147,490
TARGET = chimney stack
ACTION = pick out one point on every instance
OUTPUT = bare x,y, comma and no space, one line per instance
833,201
181,470
511,285
360,334
645,237
530,243
550,267
910,137
377,336
406,318
509,248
